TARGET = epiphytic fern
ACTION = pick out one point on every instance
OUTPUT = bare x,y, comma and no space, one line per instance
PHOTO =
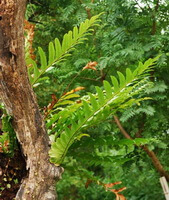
58,51
116,96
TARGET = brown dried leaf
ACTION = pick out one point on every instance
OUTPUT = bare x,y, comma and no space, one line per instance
74,90
122,197
91,65
109,185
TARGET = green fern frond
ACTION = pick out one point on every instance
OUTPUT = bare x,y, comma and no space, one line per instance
101,160
57,51
116,96
88,143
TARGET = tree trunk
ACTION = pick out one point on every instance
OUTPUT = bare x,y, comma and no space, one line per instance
19,99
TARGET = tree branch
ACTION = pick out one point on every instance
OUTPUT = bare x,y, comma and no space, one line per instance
151,154
148,5
123,131
88,10
154,25
139,5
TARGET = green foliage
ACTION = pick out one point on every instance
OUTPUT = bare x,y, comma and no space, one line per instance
100,106
8,142
57,52
124,37
157,92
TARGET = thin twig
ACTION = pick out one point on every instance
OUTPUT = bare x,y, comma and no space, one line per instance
148,5
139,5
91,79
123,131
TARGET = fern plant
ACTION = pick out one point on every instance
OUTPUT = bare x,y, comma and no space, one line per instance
97,107
59,51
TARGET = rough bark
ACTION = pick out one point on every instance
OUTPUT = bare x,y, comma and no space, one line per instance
20,101
156,162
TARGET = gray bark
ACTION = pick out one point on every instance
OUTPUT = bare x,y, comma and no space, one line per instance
21,103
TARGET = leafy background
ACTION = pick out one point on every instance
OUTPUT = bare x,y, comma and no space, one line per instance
130,31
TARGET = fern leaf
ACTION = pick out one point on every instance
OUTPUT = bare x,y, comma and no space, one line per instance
108,88
100,106
36,72
42,58
75,33
93,101
129,75
51,52
122,79
100,95
115,83
58,48
57,51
